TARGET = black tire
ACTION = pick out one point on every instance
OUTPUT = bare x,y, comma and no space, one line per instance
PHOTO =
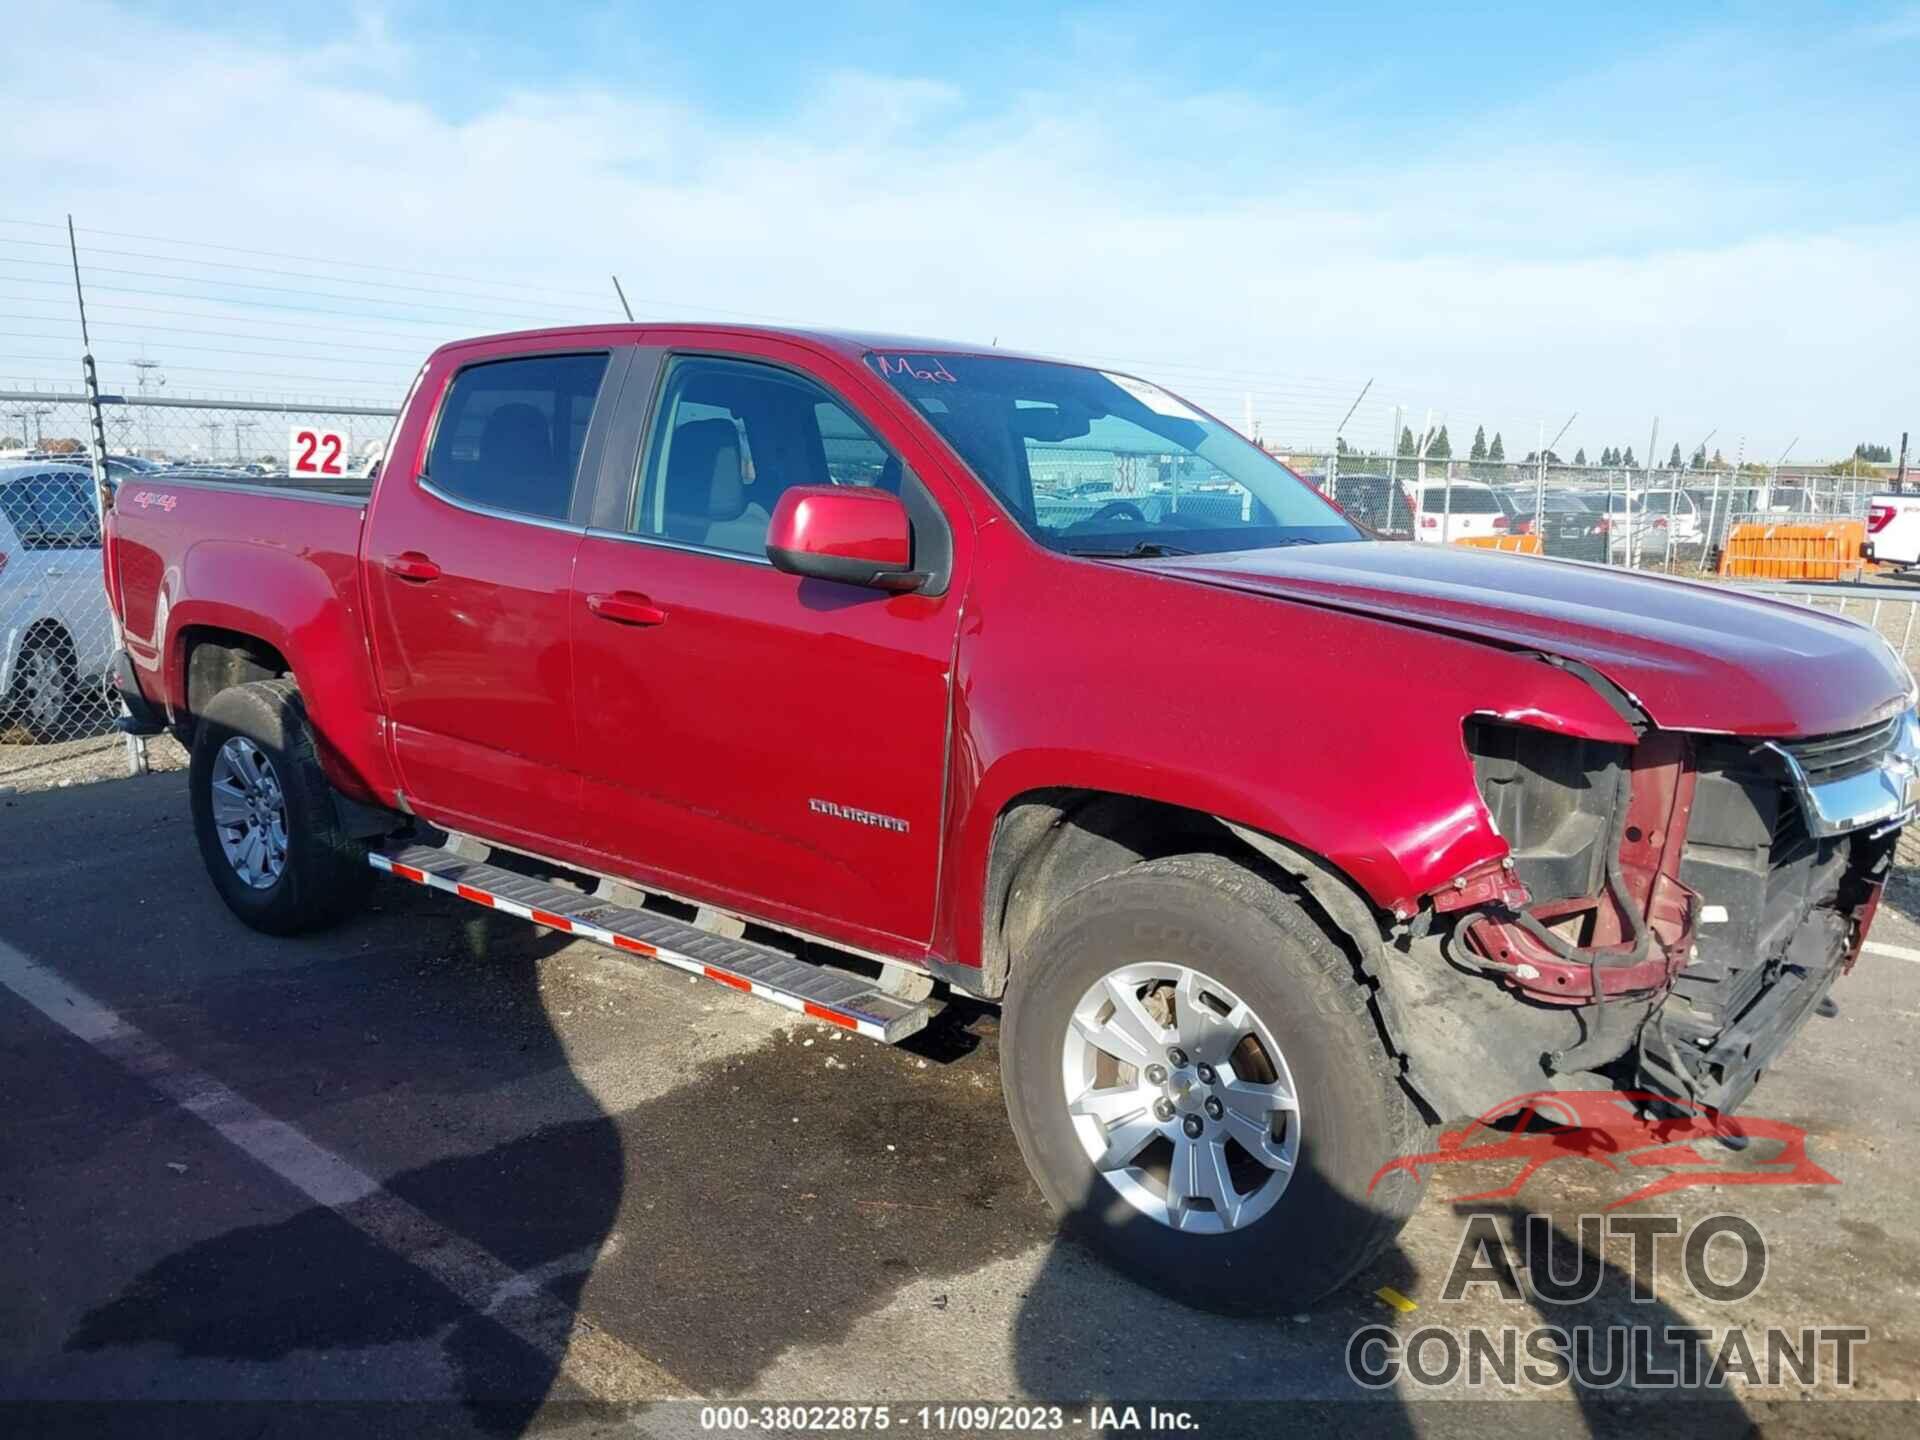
325,875
47,717
1355,1117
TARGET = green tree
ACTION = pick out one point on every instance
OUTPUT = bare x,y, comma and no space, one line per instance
1699,460
1673,461
1874,454
1408,446
1497,452
1479,450
1580,458
1609,456
1719,462
1442,447
1339,446
1626,458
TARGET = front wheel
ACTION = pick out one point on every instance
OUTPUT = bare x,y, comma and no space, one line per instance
264,816
1198,1086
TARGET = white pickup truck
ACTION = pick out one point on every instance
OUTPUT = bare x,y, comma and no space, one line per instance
1893,529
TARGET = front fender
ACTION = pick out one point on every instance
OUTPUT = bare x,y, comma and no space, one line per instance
1339,734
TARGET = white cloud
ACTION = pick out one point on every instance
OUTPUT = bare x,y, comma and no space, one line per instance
1050,222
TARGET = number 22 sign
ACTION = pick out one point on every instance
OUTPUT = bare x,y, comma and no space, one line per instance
315,452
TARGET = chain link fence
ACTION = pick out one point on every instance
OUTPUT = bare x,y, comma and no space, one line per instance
1675,520
56,630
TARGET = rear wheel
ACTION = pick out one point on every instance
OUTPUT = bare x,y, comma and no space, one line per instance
1199,1087
264,816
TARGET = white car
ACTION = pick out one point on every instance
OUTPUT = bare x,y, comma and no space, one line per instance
1893,529
1657,521
55,632
1464,510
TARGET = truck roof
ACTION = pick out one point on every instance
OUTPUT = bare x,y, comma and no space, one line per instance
853,343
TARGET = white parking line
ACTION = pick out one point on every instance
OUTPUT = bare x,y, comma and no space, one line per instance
1892,952
605,1368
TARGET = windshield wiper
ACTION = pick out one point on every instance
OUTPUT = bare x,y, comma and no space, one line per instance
1145,550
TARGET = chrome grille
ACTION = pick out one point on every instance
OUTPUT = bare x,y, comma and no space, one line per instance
1851,752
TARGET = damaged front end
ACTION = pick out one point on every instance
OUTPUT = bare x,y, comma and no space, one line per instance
1669,912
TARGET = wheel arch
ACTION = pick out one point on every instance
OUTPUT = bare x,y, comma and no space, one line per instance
1050,843
212,658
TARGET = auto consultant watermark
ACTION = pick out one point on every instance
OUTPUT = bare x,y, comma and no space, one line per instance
1574,1334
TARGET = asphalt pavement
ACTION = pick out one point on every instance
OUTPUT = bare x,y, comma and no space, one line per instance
448,1173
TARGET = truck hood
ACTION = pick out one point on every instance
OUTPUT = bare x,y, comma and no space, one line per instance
1694,656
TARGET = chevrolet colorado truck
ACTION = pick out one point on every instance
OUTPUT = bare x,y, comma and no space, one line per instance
856,672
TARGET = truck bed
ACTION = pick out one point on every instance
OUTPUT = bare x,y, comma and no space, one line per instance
186,555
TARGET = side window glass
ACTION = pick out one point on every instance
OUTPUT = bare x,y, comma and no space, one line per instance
730,438
511,431
67,519
854,457
16,503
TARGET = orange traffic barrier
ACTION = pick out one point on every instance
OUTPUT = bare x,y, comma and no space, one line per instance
1829,550
1518,544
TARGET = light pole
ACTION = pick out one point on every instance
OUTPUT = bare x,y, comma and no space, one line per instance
145,367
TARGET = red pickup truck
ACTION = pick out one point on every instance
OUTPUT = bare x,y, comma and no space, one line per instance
855,672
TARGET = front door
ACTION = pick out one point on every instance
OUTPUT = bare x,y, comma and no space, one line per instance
469,567
748,736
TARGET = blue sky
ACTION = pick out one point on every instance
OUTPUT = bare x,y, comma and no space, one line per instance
1705,212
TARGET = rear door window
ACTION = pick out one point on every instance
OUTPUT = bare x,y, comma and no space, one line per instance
52,511
511,431
68,520
1465,502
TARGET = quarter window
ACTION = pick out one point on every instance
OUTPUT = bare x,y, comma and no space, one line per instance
511,432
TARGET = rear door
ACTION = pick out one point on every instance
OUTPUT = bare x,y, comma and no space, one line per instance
70,538
747,736
469,563
23,570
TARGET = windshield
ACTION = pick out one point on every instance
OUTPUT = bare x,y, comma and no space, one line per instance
1092,463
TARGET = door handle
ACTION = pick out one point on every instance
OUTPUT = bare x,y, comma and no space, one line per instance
412,565
623,607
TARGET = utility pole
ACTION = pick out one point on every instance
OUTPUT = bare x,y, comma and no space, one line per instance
1333,460
1540,479
1900,475
145,367
1673,498
238,426
1633,529
1393,464
212,428
1773,476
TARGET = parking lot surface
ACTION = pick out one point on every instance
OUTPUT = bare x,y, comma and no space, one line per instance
439,1156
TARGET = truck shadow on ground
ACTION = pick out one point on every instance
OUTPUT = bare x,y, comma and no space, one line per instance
779,1198
1248,1376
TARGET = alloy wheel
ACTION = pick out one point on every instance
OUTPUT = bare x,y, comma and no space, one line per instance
1180,1097
250,812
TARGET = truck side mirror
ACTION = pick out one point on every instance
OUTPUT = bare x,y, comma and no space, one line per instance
854,535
